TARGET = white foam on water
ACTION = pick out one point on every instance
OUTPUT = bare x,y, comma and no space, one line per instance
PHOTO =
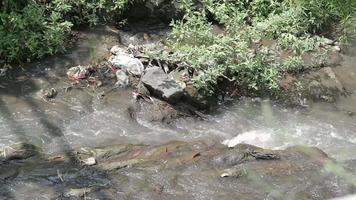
260,138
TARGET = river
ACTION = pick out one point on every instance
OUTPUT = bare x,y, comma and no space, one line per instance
79,118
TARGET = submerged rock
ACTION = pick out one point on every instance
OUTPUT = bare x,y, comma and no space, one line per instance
18,151
49,93
78,193
162,85
242,172
186,170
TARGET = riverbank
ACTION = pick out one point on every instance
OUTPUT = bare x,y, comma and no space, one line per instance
136,157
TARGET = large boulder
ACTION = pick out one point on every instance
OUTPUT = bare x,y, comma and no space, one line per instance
163,85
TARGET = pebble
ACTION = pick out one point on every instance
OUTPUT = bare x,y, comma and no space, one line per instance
89,161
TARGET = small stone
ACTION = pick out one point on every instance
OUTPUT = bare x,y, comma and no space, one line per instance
123,80
89,161
117,50
77,192
224,175
50,94
337,48
350,113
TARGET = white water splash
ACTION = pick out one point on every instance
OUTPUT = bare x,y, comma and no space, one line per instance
261,138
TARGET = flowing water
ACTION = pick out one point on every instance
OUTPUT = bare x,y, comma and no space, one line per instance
78,118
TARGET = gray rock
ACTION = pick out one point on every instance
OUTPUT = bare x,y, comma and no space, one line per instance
162,85
128,63
324,85
77,192
123,80
117,50
141,89
329,79
194,97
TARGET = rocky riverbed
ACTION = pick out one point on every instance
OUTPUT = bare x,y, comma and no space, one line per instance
92,137
176,170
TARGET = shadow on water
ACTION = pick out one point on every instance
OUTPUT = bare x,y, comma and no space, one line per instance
11,174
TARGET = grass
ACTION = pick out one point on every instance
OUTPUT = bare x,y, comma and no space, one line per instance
236,56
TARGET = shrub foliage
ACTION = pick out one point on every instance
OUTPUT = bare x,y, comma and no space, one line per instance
235,55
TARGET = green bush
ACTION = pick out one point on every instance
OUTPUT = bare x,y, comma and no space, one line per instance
30,29
29,32
235,56
90,12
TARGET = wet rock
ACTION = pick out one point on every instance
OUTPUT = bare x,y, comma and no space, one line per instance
299,173
324,85
151,109
127,63
234,172
119,164
123,80
5,70
50,93
81,192
78,72
287,82
18,151
162,85
194,97
185,170
141,89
